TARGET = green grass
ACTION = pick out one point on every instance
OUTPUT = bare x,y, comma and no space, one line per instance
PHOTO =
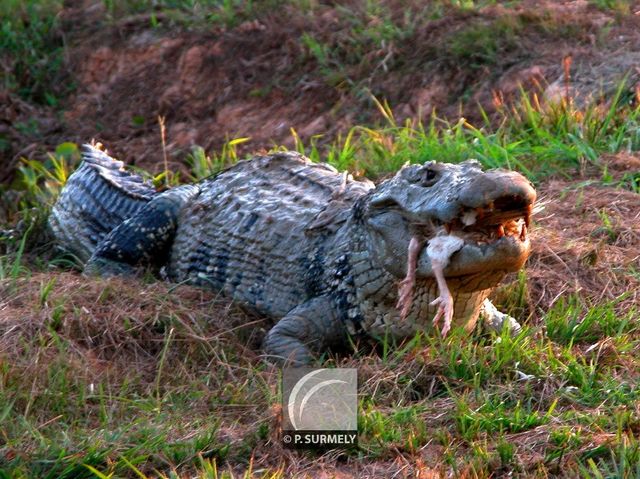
108,378
32,42
202,14
535,140
34,35
159,394
622,7
570,322
72,417
484,43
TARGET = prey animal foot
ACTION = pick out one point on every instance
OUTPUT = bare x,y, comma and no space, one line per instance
405,290
445,311
405,296
440,250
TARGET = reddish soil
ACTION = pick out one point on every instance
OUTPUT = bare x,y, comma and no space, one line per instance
259,80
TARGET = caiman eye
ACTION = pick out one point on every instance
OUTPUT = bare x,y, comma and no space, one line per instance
429,177
422,175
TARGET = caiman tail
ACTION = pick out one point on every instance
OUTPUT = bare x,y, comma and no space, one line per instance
97,197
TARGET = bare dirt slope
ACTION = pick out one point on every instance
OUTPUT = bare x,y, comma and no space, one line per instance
587,241
311,70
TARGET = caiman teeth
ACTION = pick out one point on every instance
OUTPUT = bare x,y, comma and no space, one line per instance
523,232
500,231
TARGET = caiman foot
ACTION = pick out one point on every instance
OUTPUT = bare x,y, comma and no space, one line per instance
497,321
312,327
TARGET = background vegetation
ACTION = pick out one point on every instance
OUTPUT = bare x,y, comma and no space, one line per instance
139,378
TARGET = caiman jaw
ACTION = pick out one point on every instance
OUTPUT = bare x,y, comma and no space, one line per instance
496,236
479,229
486,225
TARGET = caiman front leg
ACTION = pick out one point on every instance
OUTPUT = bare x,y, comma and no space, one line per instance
497,321
312,327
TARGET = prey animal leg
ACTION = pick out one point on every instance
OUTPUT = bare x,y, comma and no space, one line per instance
439,251
405,291
444,301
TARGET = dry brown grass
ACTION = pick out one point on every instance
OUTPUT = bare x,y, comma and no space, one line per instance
116,330
158,340
575,251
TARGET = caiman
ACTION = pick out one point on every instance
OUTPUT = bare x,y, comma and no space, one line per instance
322,254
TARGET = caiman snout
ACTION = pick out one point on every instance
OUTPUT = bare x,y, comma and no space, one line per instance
499,190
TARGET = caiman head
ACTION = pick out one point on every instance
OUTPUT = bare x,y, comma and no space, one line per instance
489,210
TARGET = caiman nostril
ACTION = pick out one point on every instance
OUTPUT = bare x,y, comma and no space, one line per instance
510,202
505,189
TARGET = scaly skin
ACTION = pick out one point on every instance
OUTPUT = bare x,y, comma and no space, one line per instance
321,253
96,199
